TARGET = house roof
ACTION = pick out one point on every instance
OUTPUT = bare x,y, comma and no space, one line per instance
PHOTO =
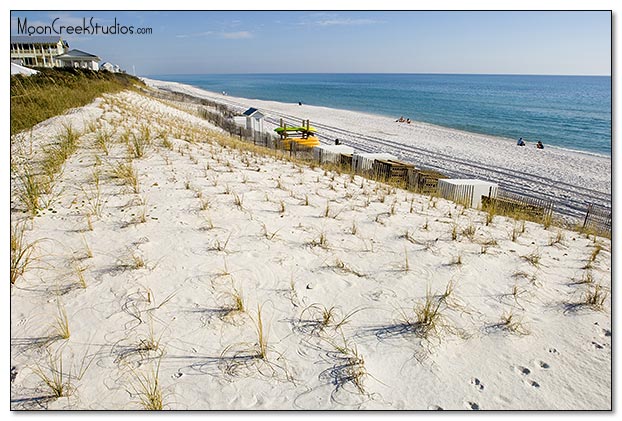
78,55
252,111
25,39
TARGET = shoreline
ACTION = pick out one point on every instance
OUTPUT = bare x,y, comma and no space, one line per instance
492,137
376,113
567,177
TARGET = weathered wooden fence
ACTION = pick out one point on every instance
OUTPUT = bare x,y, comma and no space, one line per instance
513,204
423,181
598,219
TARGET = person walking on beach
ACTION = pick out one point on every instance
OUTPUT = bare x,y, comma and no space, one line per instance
539,145
520,142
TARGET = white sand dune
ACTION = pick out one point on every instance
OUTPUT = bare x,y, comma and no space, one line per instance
568,178
340,265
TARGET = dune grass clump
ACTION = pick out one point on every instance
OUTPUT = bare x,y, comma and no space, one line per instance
61,322
21,253
428,316
53,376
469,231
348,369
317,319
326,212
257,357
558,239
93,201
586,279
151,342
136,146
262,336
103,140
533,257
78,271
267,234
148,389
221,245
29,190
454,232
321,241
590,262
234,303
127,174
511,323
239,201
595,296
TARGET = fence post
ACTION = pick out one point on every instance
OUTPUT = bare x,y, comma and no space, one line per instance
587,214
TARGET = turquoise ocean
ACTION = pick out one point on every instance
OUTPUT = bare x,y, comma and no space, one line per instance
571,112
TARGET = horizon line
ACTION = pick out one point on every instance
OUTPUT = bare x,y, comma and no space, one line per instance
378,73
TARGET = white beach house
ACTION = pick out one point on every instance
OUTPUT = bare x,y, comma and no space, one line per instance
113,68
40,51
254,120
79,59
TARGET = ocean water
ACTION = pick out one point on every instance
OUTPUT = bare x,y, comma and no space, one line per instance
572,112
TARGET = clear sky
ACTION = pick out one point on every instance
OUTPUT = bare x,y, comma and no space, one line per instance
522,42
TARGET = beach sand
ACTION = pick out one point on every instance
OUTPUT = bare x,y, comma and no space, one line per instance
570,179
334,270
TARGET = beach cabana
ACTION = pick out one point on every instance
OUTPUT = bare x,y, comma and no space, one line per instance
467,192
254,119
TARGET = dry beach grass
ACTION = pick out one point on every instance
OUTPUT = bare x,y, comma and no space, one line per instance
209,273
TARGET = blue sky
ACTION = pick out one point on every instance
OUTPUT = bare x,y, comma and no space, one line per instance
347,41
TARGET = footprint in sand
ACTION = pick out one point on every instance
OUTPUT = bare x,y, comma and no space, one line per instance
472,405
532,383
543,365
522,370
434,408
553,351
606,333
477,383
596,345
